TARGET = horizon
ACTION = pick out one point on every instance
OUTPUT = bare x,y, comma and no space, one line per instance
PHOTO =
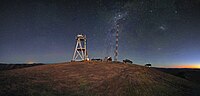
182,66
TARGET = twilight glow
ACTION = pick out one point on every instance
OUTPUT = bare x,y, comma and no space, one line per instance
185,66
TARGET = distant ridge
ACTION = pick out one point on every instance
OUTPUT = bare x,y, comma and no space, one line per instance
16,66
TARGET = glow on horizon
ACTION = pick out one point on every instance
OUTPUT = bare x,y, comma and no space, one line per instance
30,62
184,66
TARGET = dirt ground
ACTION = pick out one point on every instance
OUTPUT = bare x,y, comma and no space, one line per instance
92,79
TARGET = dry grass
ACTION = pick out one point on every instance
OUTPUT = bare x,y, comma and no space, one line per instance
91,79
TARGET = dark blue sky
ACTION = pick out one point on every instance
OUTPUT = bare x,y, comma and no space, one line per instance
164,33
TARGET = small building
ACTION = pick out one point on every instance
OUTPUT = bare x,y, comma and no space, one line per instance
148,65
108,59
96,60
127,61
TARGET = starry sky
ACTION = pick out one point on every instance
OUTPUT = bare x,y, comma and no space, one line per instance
165,33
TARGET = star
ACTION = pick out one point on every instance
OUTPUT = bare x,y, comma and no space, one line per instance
162,28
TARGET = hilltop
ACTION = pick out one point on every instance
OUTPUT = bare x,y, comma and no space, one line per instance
92,79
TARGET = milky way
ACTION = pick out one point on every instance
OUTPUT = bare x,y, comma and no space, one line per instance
117,20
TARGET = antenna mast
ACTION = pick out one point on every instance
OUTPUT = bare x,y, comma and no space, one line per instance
117,41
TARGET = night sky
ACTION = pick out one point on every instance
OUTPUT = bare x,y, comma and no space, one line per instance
164,33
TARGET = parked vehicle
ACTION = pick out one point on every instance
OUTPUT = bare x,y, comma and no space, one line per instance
147,65
127,61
